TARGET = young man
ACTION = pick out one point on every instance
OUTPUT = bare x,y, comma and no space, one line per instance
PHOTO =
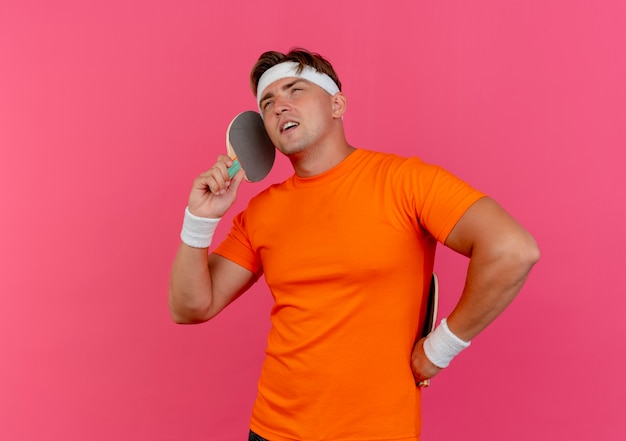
347,247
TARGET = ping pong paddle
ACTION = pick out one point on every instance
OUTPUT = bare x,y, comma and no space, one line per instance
248,144
431,315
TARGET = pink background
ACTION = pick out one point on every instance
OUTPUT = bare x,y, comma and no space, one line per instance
108,110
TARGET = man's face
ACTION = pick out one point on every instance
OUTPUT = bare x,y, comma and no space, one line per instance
296,113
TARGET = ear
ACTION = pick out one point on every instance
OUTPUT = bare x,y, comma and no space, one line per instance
338,101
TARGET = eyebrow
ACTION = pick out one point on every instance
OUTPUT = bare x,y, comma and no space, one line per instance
269,95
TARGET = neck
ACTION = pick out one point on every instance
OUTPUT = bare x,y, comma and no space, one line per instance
316,160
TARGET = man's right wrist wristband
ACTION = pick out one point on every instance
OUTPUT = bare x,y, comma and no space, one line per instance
198,231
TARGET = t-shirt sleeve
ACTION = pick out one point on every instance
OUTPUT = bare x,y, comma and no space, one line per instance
237,246
439,198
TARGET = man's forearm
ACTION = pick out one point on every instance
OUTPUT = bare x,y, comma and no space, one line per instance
190,285
493,281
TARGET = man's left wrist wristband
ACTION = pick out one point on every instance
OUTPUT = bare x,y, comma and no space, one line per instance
442,345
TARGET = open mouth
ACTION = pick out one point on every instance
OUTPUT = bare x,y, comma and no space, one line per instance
289,125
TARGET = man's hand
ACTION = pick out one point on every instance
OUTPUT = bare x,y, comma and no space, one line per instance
213,192
422,367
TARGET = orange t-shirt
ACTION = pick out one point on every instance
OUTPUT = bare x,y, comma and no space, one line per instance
347,256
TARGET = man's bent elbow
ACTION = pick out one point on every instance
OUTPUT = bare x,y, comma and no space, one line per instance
525,253
187,317
187,314
531,252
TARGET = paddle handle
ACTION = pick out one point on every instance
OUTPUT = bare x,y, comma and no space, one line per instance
233,169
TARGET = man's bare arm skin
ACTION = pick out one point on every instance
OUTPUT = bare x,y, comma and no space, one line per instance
202,285
501,254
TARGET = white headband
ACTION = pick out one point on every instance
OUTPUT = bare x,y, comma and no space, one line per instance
290,69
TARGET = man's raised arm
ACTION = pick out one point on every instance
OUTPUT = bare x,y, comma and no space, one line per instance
201,285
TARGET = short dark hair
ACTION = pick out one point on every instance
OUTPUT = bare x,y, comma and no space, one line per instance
301,56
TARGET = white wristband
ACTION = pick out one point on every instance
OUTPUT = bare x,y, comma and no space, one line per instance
441,345
198,231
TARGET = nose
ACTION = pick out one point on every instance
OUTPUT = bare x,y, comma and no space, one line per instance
281,104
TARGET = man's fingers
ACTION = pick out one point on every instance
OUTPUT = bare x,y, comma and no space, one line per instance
216,179
423,368
209,182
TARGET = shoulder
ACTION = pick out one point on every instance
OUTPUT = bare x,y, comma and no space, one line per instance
402,168
390,161
269,195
